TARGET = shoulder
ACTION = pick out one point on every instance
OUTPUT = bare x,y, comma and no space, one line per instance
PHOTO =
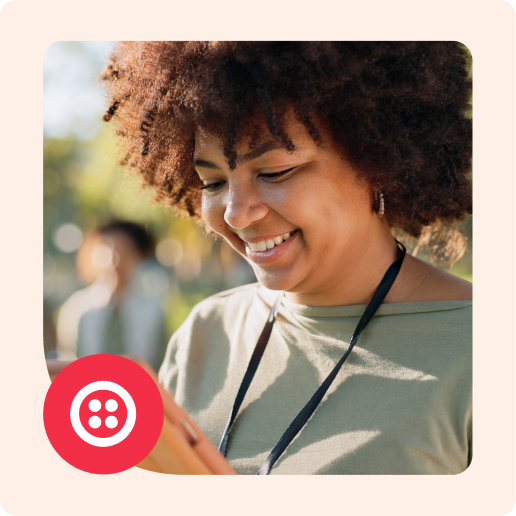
227,311
216,328
239,297
224,319
422,282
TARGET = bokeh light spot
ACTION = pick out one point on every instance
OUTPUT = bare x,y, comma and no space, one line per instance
68,238
169,252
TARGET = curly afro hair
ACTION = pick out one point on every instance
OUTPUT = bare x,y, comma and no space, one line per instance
399,111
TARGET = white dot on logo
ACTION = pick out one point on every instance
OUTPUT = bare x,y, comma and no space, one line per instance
111,406
111,421
94,406
94,421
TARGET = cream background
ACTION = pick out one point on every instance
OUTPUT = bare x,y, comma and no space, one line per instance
33,478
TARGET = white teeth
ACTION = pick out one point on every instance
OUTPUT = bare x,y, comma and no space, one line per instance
268,244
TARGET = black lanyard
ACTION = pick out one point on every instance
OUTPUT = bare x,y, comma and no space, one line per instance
300,420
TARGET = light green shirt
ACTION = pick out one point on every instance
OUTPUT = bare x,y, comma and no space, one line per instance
401,404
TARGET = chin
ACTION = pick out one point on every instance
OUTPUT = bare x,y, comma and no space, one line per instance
275,280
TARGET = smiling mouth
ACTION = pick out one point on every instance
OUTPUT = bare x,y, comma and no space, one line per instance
267,245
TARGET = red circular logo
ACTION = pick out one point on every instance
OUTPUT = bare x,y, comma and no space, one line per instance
103,414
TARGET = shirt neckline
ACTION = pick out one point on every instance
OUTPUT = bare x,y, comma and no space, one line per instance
358,310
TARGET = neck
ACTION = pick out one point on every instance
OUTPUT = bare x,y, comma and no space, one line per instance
358,278
116,283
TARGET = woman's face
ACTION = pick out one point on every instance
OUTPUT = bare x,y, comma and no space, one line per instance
297,217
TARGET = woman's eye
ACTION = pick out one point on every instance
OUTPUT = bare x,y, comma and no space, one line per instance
213,187
276,175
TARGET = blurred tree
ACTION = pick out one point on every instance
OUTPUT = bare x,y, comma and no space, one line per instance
84,186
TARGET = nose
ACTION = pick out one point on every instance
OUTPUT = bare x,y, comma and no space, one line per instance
242,210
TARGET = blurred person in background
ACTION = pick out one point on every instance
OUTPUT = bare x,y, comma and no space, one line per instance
112,315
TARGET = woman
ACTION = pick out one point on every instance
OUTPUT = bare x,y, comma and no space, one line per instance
305,157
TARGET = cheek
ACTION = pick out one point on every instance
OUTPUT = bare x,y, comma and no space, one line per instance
213,214
341,206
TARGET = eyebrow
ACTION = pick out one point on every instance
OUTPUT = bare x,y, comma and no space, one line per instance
254,154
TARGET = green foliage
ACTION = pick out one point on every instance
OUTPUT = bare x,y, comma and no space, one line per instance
84,185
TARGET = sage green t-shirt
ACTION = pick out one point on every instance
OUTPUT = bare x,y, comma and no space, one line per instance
401,403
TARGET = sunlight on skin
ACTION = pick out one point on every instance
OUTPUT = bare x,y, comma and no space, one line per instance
314,195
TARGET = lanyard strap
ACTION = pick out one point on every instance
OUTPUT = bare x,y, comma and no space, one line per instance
305,414
251,369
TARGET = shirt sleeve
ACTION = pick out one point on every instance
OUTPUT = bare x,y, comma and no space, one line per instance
169,370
